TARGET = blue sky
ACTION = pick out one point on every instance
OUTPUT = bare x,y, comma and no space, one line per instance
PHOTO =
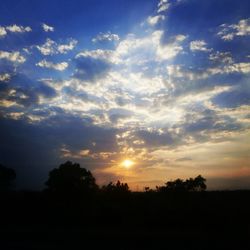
164,84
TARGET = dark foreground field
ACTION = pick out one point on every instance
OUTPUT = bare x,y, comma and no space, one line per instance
194,220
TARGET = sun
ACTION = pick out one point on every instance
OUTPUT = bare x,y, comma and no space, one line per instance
127,163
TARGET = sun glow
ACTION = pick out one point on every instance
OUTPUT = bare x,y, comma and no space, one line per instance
127,163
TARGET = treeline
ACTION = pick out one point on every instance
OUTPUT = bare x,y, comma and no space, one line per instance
73,209
72,178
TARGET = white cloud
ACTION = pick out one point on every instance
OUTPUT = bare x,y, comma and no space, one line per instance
50,65
50,47
170,50
199,45
4,77
228,32
153,20
139,51
106,55
176,71
27,51
12,56
2,32
64,48
106,37
243,27
14,29
47,28
163,5
18,29
180,38
221,57
242,67
148,48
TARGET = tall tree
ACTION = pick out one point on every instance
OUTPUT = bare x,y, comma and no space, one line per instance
70,177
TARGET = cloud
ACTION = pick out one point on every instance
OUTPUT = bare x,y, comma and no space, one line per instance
23,91
4,77
177,71
242,67
139,51
48,139
201,123
103,37
199,45
229,32
64,48
221,57
156,138
50,47
163,5
50,65
12,56
149,98
237,96
47,28
13,29
184,159
89,66
100,54
2,32
18,29
171,49
153,20
202,85
117,114
75,91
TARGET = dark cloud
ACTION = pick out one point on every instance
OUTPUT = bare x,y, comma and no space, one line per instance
208,121
33,148
117,114
70,91
89,68
73,93
121,101
24,91
156,139
234,98
202,126
185,81
184,159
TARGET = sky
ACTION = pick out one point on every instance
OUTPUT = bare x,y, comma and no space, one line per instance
143,91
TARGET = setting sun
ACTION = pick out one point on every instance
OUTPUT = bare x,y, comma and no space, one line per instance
127,163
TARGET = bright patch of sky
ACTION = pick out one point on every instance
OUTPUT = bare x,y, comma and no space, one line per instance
162,83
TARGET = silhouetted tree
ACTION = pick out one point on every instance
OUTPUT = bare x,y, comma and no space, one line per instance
119,187
177,185
196,184
70,177
200,183
148,190
7,175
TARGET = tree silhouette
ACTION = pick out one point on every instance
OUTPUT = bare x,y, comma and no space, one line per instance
196,184
70,177
7,175
199,183
119,187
